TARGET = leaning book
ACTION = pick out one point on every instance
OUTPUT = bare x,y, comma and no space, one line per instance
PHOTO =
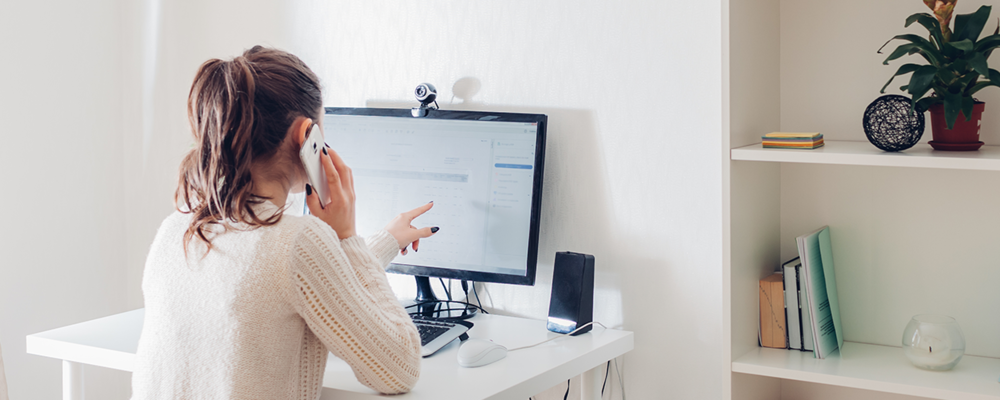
820,283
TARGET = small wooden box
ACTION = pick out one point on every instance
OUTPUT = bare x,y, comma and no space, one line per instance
772,312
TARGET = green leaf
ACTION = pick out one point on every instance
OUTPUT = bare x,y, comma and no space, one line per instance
947,75
964,45
967,104
994,80
970,26
994,77
927,49
921,80
925,103
910,48
952,105
964,83
978,63
989,42
915,39
930,23
904,69
979,86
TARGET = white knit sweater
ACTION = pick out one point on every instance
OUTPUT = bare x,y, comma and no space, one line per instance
256,317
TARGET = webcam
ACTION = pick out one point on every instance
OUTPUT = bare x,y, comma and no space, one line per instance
425,94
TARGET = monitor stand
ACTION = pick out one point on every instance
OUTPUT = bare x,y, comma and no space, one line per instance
429,306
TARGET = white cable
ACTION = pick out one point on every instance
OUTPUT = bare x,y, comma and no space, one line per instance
621,380
560,336
488,295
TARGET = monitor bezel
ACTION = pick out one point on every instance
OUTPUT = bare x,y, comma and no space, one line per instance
536,198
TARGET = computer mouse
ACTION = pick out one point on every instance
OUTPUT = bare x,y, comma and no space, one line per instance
479,352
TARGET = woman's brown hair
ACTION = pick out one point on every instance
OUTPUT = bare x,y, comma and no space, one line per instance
240,112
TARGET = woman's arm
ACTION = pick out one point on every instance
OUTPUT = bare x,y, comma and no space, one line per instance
345,299
384,246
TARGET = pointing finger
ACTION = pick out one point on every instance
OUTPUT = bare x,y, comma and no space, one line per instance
416,212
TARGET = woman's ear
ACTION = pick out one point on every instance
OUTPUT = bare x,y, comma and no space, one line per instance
300,130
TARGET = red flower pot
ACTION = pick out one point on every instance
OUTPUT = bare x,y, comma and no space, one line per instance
963,136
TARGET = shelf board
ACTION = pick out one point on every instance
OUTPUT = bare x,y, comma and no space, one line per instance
838,152
878,368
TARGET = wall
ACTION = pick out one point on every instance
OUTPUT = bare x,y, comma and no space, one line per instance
633,175
61,168
827,80
633,170
169,41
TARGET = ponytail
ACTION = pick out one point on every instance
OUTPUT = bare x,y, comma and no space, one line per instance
240,112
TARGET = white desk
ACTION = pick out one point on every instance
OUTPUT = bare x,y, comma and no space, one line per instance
111,342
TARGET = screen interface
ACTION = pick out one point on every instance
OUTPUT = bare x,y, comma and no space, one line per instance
479,174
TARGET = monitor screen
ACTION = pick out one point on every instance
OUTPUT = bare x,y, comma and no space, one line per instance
482,171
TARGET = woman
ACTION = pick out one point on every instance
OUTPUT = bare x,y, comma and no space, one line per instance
243,302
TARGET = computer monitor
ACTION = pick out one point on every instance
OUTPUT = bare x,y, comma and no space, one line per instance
482,170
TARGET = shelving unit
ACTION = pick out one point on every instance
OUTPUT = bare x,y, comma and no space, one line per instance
864,153
877,368
861,366
790,65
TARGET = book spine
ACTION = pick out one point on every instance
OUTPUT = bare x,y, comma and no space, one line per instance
792,308
807,334
772,312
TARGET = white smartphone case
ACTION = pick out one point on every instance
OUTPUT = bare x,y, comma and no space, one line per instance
310,155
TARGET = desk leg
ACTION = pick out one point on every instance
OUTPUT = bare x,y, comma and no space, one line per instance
590,387
72,384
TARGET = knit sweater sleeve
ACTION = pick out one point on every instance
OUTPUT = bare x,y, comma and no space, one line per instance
342,293
383,246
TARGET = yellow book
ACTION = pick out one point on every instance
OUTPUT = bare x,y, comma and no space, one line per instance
793,144
791,135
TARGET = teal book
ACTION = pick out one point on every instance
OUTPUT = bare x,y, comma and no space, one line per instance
820,284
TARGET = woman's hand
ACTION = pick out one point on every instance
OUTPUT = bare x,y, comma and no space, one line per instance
339,214
402,228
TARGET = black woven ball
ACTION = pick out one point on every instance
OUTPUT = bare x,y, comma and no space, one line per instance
890,125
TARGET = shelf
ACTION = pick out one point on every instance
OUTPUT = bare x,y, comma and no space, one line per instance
986,158
878,368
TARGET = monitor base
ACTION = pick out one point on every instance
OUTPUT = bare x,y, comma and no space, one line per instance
428,305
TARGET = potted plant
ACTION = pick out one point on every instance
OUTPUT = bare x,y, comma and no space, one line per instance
956,69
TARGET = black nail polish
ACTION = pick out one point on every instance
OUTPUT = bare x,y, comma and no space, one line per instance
309,190
432,202
324,151
435,229
327,145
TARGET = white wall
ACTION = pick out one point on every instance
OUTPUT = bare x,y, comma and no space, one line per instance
633,172
62,242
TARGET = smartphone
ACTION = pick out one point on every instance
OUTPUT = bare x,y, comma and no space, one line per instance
310,155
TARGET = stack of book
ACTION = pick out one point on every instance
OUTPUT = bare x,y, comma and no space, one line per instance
792,140
812,310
